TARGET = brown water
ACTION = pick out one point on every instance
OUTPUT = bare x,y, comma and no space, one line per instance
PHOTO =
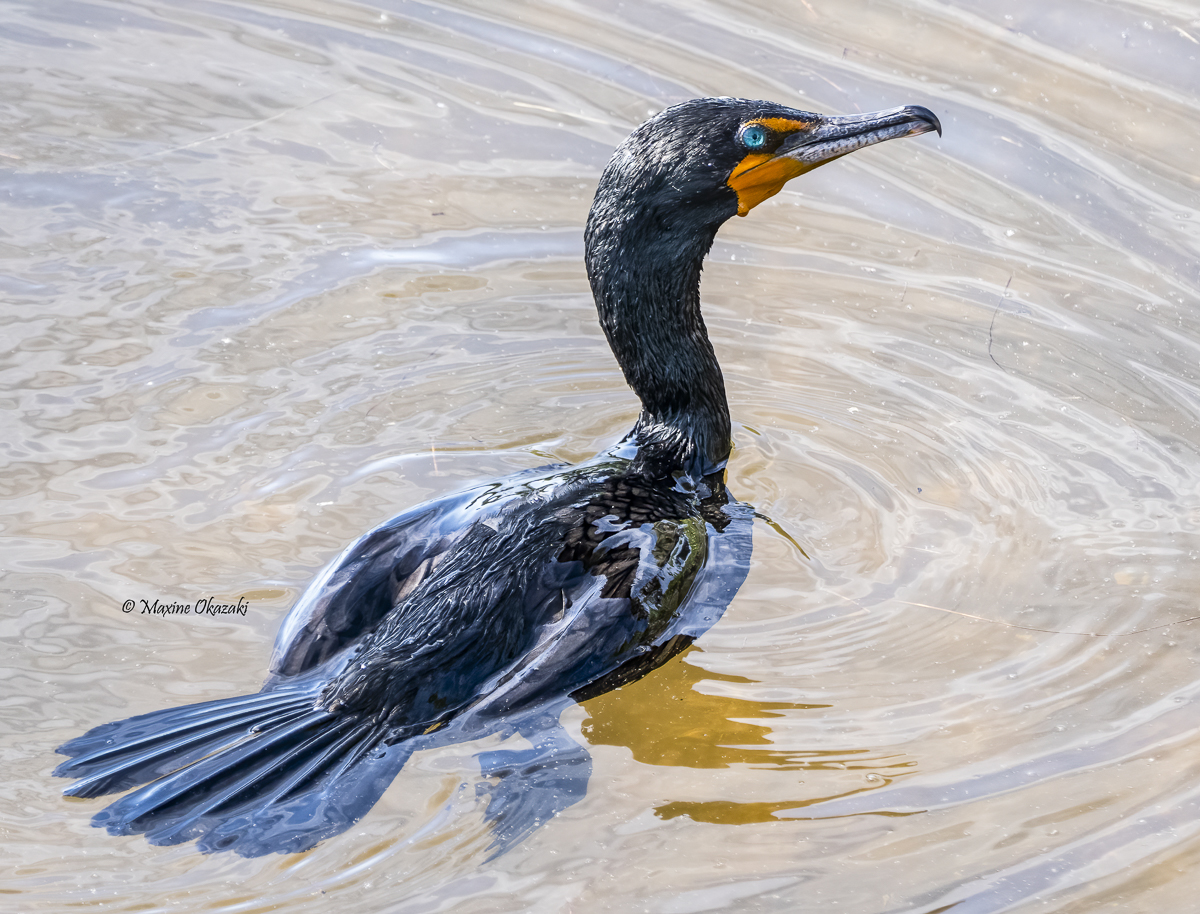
273,271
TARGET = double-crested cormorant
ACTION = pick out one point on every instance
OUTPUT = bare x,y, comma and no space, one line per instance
489,610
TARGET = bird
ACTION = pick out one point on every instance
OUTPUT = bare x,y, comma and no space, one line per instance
490,610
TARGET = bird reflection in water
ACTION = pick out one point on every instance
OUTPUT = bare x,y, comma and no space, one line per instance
489,611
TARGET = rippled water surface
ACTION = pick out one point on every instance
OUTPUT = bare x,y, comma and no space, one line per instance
273,271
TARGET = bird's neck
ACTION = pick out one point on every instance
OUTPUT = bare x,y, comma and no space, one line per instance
647,290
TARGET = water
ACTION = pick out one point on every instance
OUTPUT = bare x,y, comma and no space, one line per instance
272,272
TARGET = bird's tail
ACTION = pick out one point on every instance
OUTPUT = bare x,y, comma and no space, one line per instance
255,774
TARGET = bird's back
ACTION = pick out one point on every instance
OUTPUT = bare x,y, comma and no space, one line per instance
510,594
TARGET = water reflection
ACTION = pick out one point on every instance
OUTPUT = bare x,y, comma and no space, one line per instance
666,719
678,717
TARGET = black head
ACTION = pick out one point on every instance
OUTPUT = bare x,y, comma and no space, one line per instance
689,168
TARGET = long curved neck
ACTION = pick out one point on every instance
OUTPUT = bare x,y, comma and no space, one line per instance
645,277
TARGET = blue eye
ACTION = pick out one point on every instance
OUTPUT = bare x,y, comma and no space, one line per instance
754,136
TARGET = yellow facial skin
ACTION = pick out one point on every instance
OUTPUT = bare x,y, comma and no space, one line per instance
761,175
800,145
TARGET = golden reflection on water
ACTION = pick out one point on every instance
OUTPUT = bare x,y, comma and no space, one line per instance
667,719
674,717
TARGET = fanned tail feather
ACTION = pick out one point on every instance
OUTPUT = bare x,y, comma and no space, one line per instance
254,774
123,754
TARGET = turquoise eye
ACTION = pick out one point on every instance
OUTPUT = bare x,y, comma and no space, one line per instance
754,136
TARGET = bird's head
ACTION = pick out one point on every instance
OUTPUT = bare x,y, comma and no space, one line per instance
693,166
667,189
